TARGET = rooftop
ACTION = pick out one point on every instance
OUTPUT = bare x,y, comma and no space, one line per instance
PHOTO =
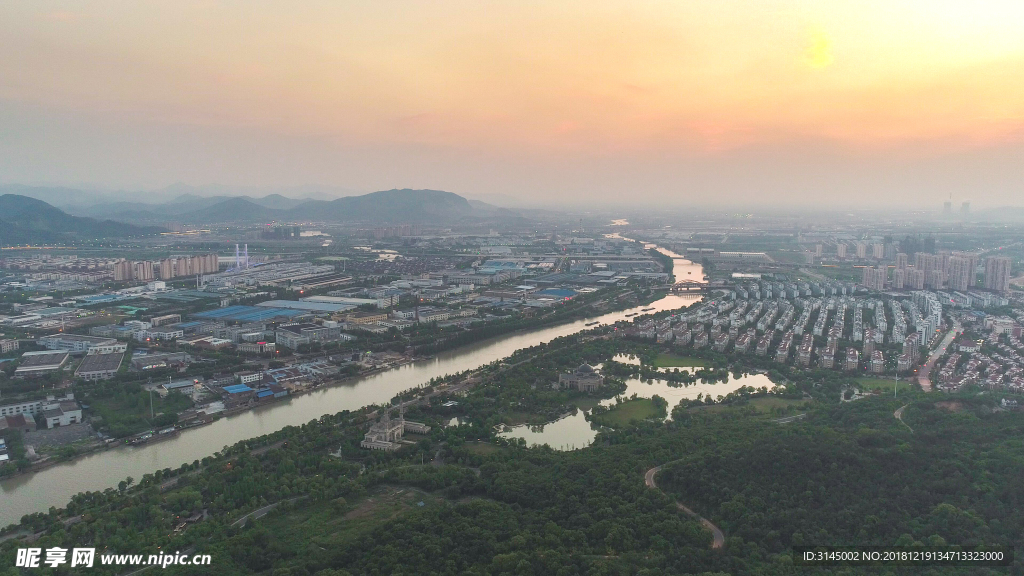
35,359
101,363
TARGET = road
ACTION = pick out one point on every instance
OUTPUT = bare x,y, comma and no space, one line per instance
899,416
719,537
257,514
788,419
924,377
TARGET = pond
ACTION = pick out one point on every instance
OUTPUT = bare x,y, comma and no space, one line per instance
573,431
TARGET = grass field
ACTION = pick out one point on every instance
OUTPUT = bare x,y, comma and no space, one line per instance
480,448
673,361
884,384
628,411
332,523
762,404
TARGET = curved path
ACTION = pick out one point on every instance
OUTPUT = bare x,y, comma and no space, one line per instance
719,537
899,416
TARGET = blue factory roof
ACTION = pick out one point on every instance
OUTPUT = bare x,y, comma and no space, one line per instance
237,389
247,313
308,306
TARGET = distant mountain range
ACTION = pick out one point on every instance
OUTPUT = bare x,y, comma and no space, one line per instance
25,220
388,206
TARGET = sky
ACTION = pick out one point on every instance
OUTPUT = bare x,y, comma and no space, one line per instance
777,102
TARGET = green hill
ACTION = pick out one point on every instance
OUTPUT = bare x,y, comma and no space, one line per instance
27,220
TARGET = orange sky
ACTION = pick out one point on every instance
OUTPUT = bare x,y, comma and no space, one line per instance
563,97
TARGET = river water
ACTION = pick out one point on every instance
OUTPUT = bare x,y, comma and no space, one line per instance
54,486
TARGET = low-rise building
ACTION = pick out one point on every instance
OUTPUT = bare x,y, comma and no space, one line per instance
76,343
164,333
8,345
99,366
294,335
18,422
42,362
585,379
877,362
166,319
64,413
257,347
362,317
386,434
852,359
249,377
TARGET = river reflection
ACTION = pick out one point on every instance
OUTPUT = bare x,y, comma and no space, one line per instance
574,431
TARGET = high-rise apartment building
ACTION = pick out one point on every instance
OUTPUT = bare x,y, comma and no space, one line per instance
915,279
997,273
902,261
144,271
862,250
841,250
961,273
899,278
124,271
873,278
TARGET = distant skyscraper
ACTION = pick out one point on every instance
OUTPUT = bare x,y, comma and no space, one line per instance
902,261
841,250
862,250
878,251
947,207
965,208
817,250
997,273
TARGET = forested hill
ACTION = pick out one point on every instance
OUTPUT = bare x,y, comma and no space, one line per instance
26,220
846,474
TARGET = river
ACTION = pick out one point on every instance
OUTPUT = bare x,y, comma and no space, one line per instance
55,485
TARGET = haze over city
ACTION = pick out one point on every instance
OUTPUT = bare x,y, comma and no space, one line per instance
789,103
560,287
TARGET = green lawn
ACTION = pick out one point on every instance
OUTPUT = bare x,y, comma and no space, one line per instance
128,413
767,403
761,404
622,414
480,448
672,361
883,384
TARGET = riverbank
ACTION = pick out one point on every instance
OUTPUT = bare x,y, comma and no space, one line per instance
99,470
136,440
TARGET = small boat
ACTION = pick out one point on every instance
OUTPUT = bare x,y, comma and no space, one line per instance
591,323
